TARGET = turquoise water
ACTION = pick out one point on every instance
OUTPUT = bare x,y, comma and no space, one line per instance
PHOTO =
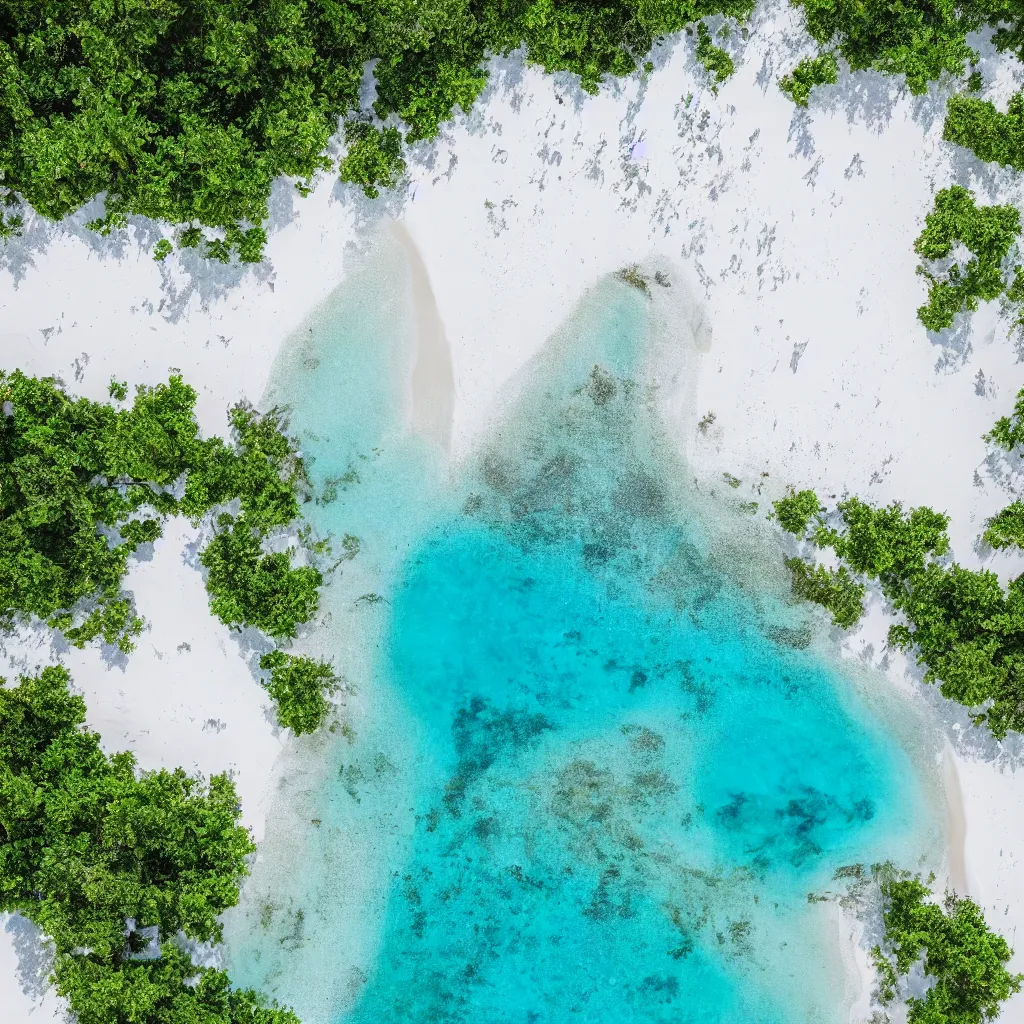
595,776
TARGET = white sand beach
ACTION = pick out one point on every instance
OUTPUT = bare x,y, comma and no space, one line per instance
795,230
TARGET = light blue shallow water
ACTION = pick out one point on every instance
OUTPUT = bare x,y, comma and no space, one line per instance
625,772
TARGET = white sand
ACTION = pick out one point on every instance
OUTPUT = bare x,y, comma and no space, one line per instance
432,398
796,230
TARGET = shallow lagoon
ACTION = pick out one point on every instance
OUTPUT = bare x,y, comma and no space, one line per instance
596,770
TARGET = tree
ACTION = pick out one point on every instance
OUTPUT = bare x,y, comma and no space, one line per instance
374,157
1008,431
83,485
795,512
966,959
98,855
715,61
919,39
250,587
187,111
962,625
835,589
300,688
979,126
987,232
1006,529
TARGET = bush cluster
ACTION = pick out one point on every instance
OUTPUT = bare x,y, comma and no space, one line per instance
186,111
83,484
966,629
300,688
986,232
116,867
963,958
715,61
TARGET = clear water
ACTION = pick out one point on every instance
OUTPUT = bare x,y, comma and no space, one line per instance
593,777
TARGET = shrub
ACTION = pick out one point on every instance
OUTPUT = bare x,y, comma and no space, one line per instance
96,854
811,71
300,688
1006,529
963,957
249,587
795,512
715,61
374,157
834,589
987,232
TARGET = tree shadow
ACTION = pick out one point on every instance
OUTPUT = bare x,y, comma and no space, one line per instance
34,953
954,343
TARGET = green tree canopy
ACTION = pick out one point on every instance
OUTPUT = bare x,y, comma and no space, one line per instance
185,111
965,959
83,484
300,688
99,855
964,627
987,232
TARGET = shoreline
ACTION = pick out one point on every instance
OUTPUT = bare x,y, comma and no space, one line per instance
956,824
432,381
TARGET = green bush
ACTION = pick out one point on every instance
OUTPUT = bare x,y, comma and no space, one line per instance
1006,529
71,469
374,157
795,512
987,232
919,39
992,136
74,473
834,589
811,71
715,61
95,853
300,688
963,626
249,587
186,112
963,957
1008,431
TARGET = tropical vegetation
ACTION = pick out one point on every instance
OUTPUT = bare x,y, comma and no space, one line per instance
964,627
186,111
120,869
84,485
963,959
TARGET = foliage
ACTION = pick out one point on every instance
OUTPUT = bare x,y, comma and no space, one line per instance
987,232
83,485
994,137
300,688
795,512
966,959
262,469
1008,431
1006,529
74,477
715,61
185,111
97,855
834,589
374,157
250,587
886,543
919,39
811,71
964,627
631,275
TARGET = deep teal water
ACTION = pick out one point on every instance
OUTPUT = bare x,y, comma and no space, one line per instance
623,770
